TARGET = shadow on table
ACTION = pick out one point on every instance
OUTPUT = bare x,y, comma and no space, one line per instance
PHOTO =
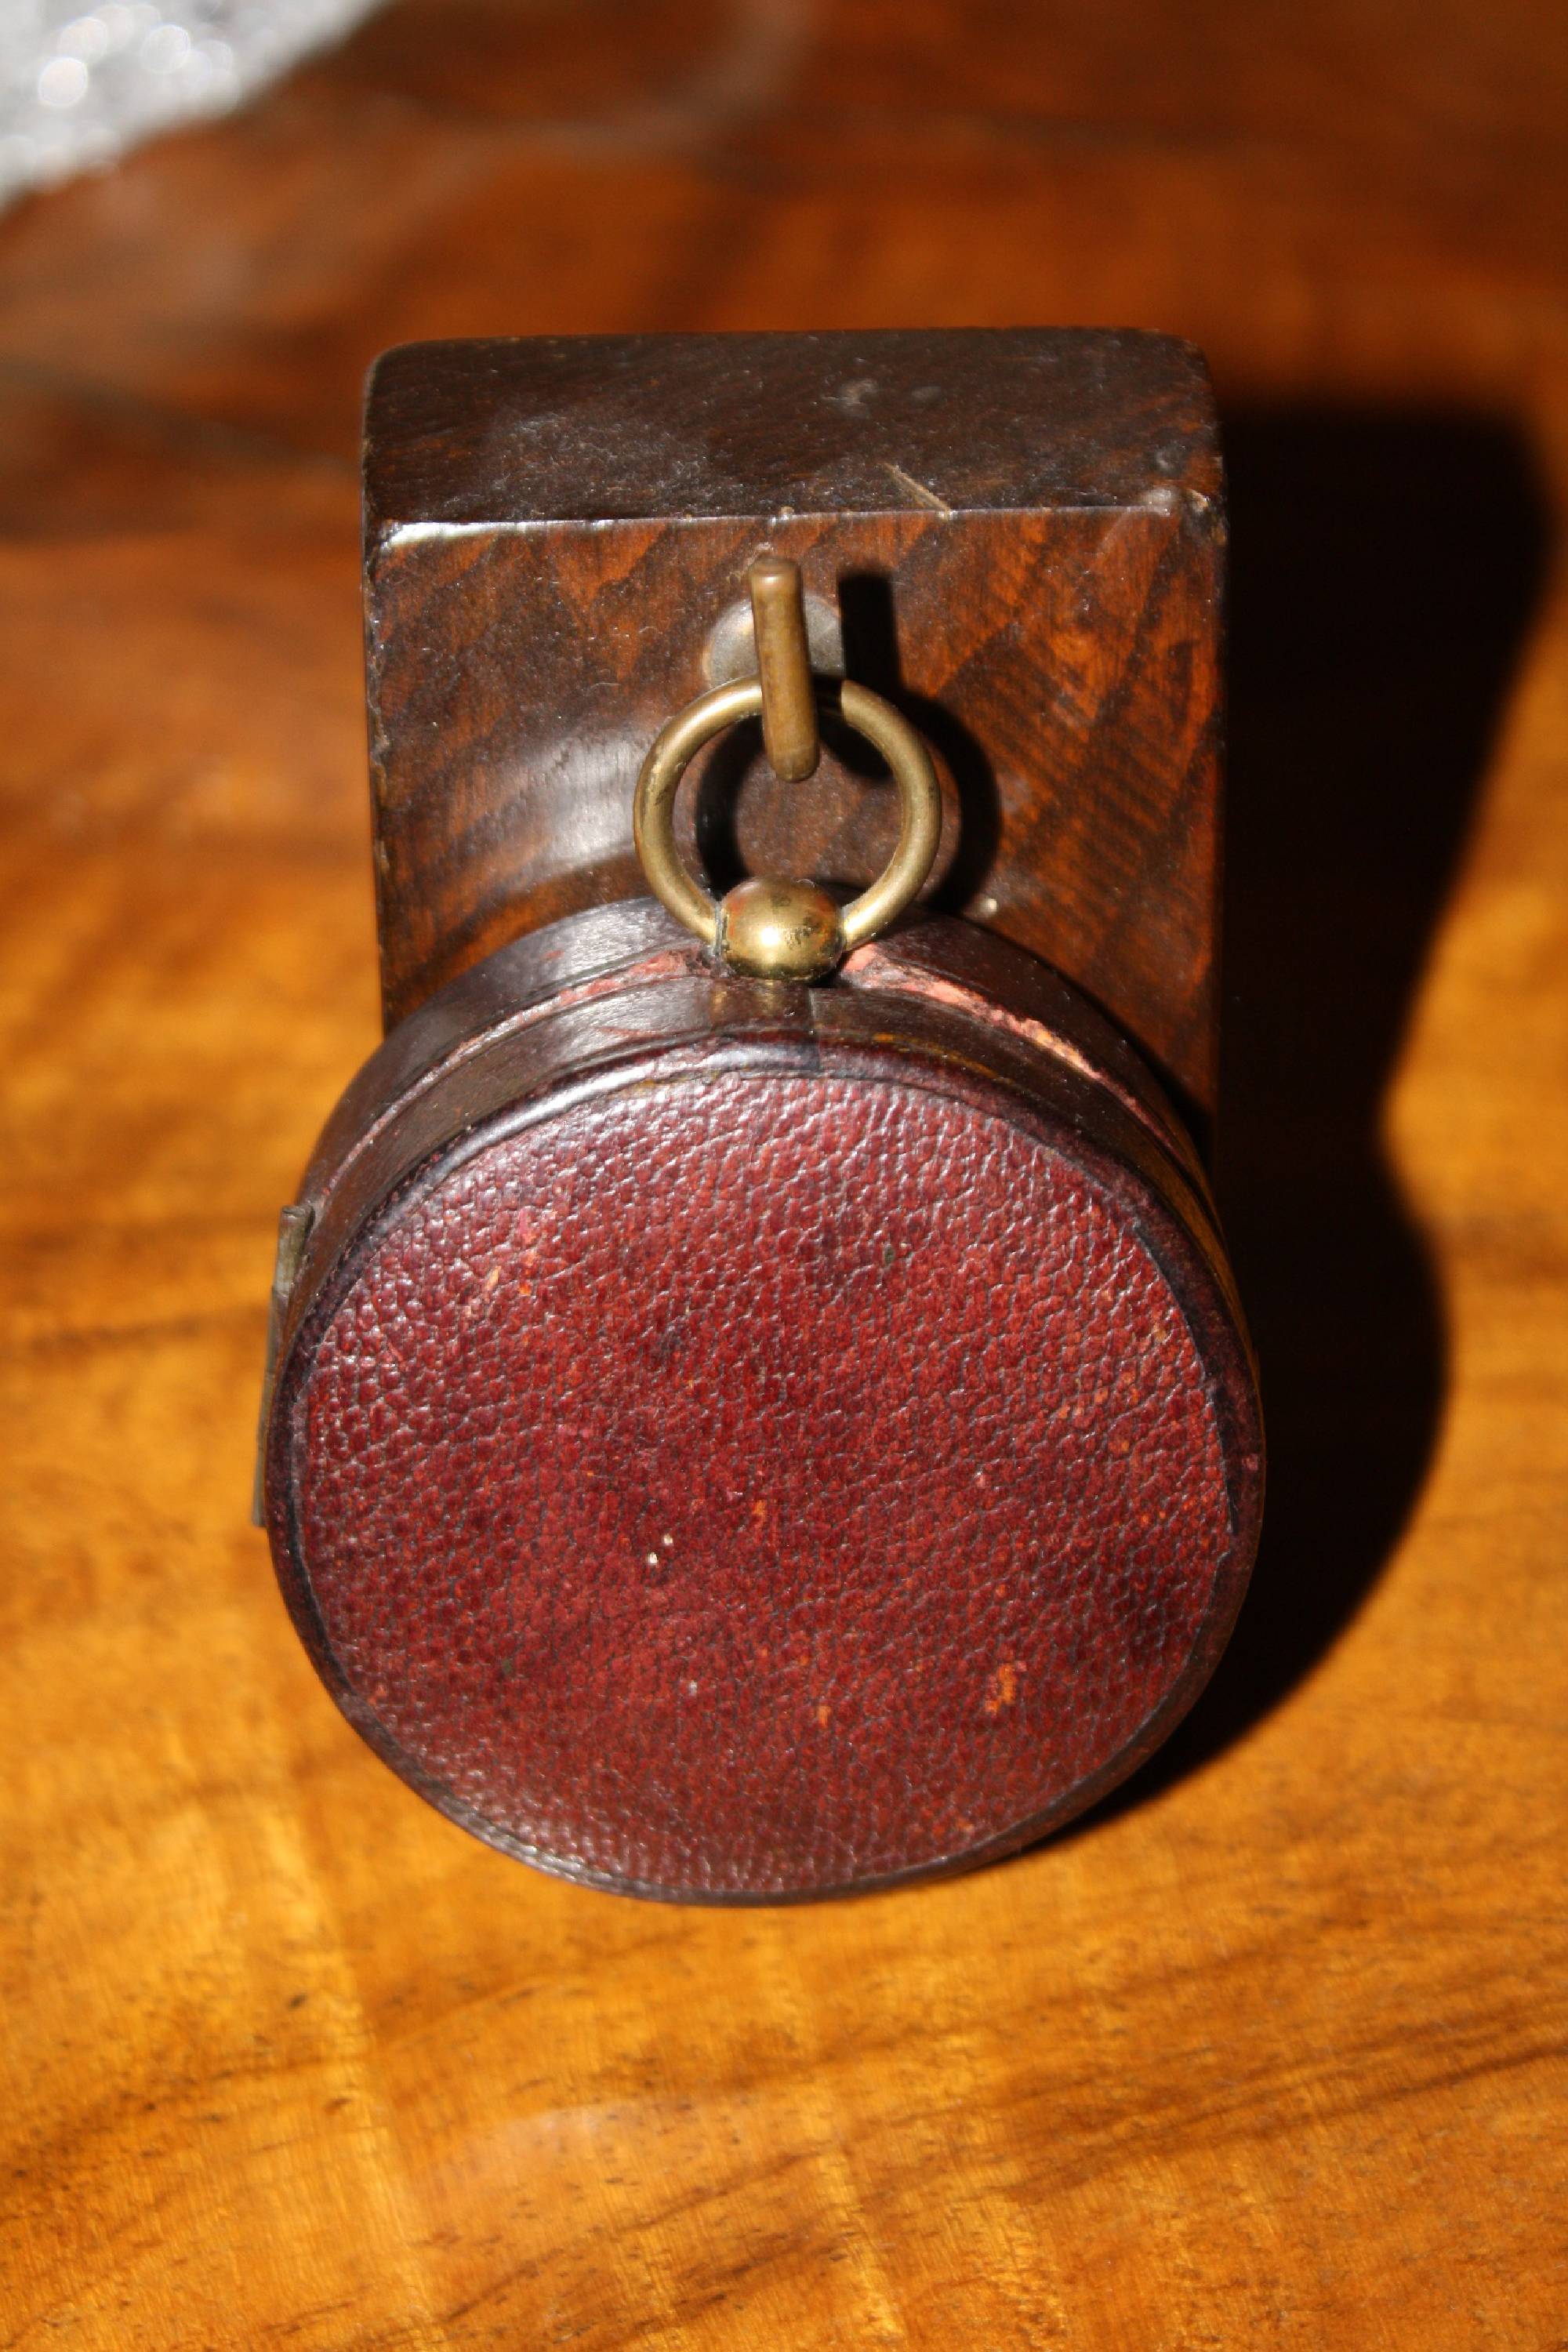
1384,569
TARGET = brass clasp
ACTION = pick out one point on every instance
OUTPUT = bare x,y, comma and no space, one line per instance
768,927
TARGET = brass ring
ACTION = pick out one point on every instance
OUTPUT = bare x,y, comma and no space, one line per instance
785,929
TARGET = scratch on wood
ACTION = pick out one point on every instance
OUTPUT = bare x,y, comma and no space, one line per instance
916,490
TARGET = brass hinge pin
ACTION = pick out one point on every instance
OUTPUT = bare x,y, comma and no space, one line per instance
784,665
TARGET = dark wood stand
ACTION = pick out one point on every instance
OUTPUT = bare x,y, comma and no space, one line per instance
1016,537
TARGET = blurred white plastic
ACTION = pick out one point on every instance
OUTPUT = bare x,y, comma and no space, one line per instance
80,86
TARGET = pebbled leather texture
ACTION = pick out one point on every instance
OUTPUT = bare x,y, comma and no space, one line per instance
741,1486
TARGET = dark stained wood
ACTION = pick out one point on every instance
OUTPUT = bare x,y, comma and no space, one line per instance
1272,2053
1020,532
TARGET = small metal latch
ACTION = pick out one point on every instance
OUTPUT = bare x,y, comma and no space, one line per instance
770,928
294,1225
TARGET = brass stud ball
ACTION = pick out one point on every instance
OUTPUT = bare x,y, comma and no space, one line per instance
779,930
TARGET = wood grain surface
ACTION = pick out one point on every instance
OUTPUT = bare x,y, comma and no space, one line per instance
1271,2051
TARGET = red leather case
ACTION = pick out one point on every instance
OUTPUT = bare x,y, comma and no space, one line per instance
741,1443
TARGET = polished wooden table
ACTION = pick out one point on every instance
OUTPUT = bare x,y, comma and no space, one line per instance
1271,2050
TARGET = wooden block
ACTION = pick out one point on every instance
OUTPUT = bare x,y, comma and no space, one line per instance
1018,534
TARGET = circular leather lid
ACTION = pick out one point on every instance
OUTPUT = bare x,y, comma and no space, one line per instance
773,1459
